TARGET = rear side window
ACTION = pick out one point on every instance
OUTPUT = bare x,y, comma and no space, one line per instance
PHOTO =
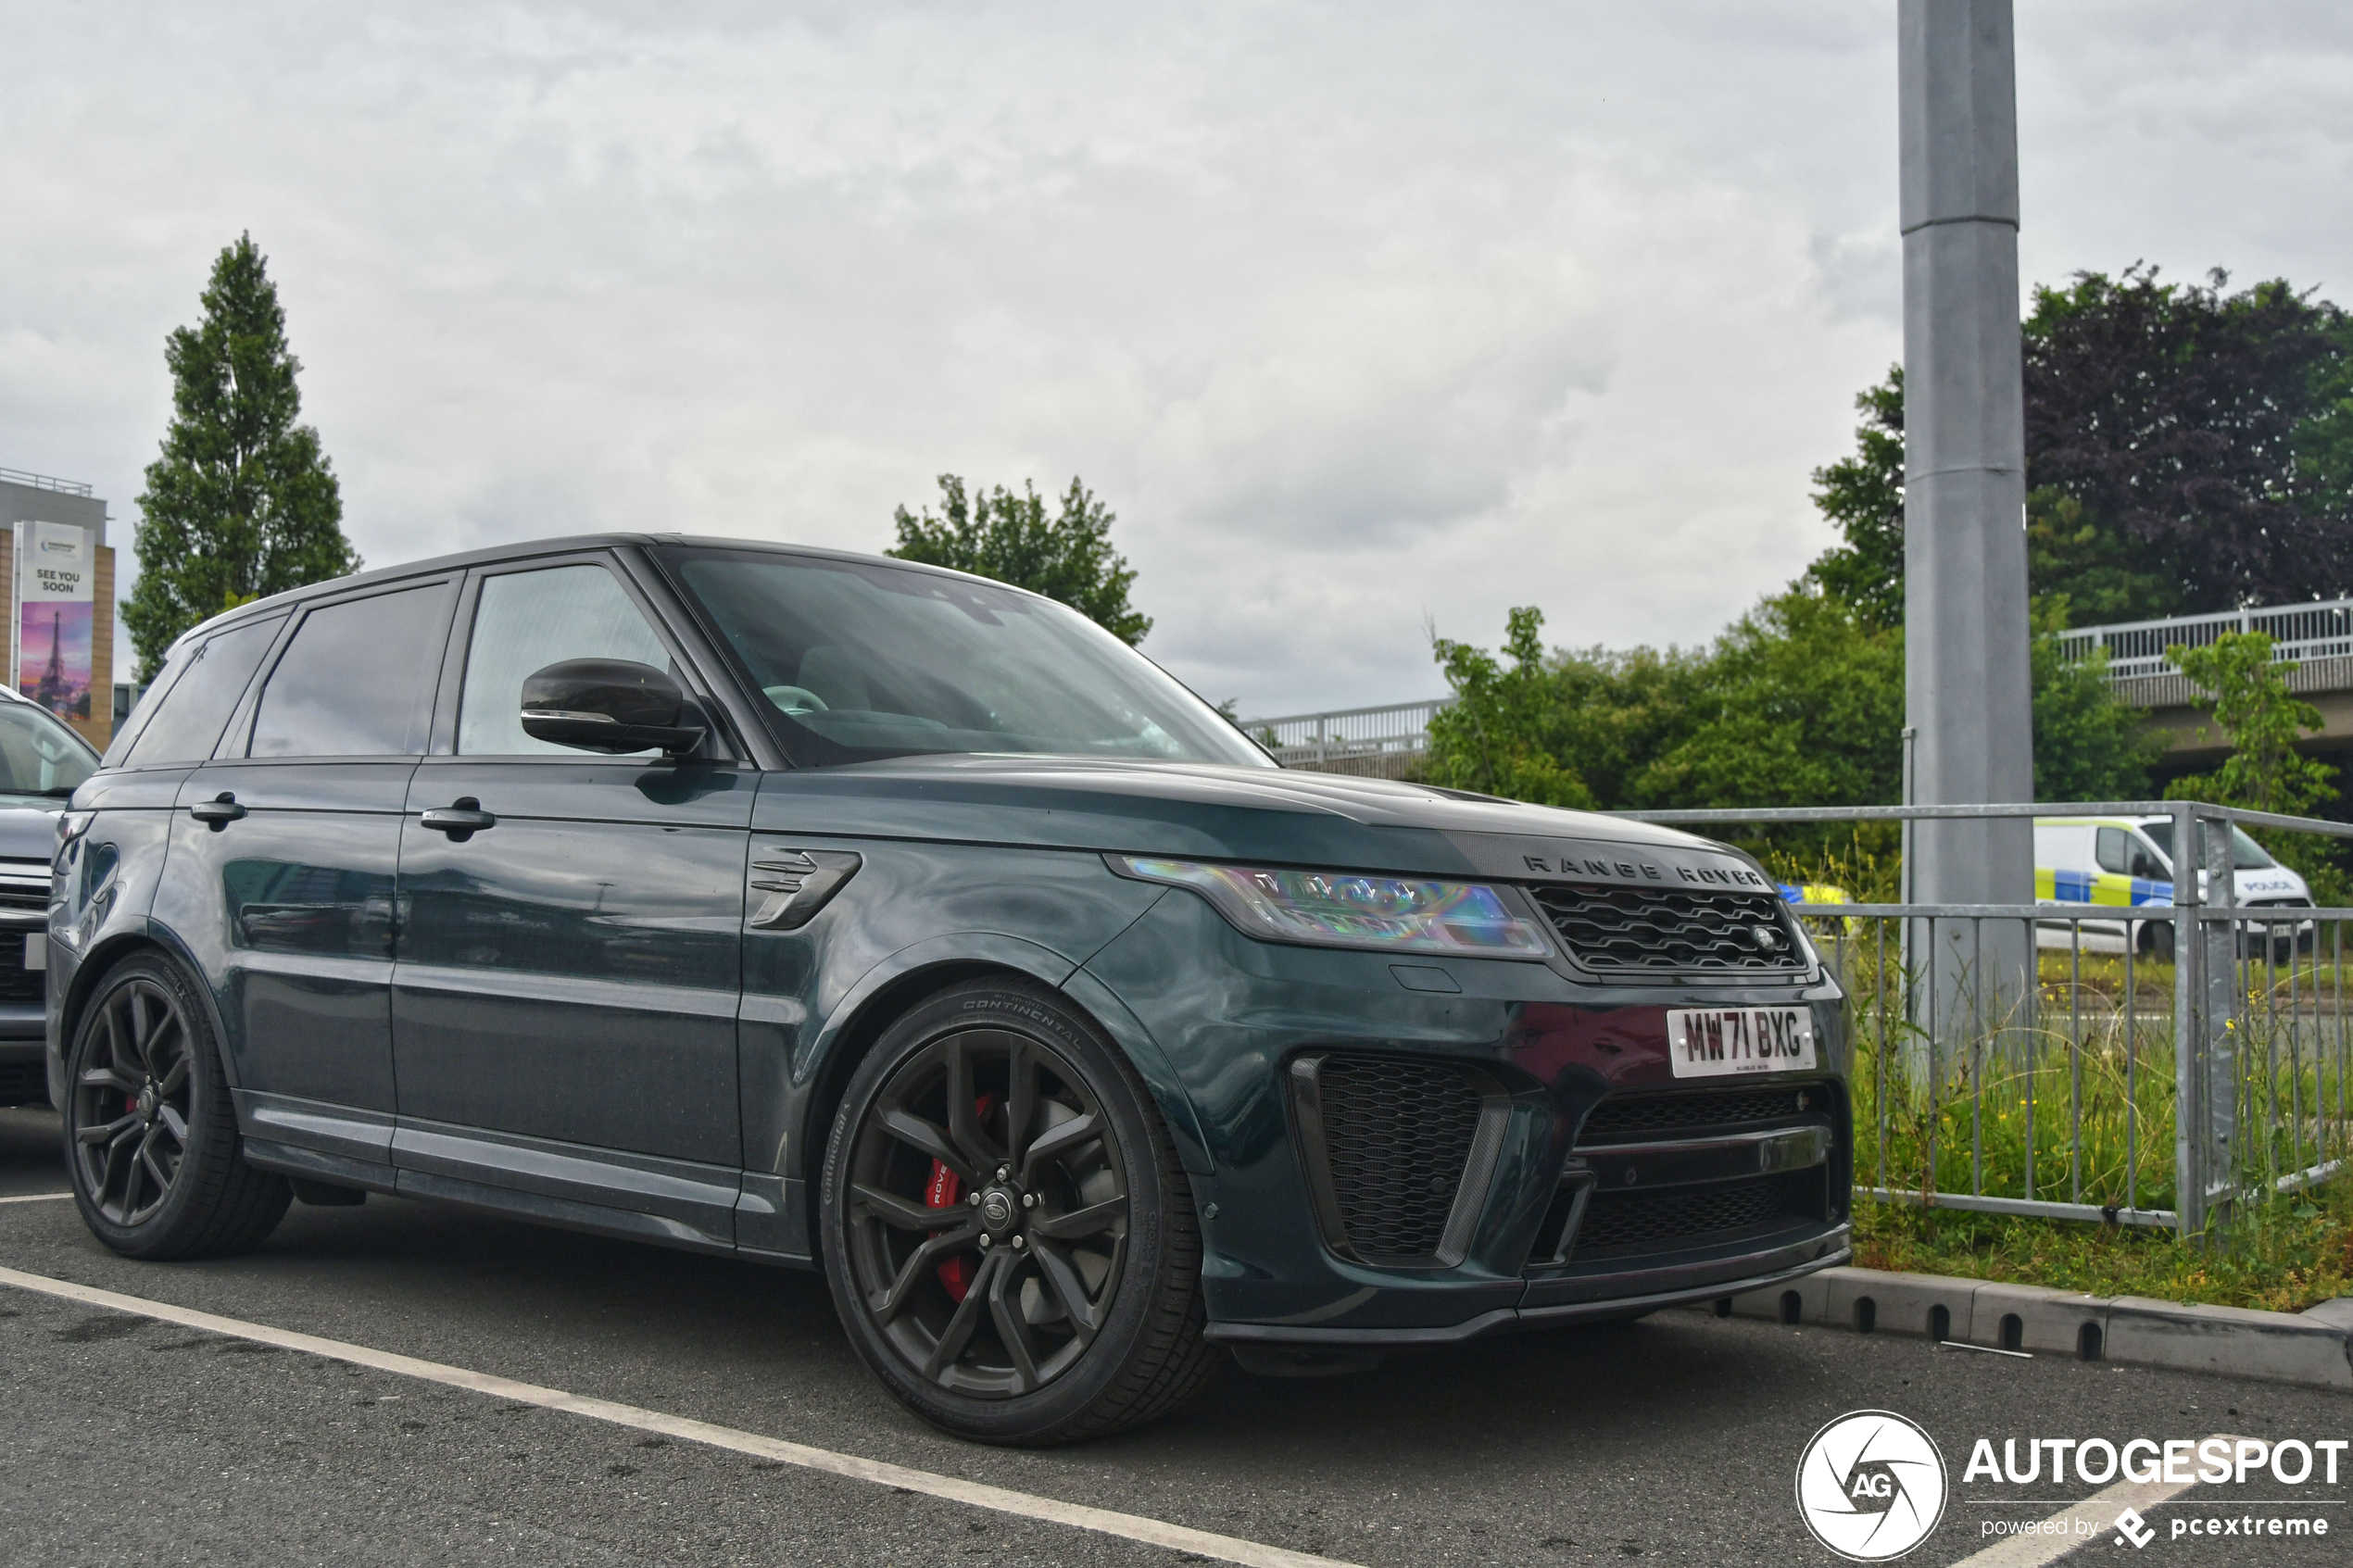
191,713
357,680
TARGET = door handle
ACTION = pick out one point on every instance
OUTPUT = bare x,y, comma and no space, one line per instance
462,819
218,812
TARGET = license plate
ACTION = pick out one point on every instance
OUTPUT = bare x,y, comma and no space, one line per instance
1731,1042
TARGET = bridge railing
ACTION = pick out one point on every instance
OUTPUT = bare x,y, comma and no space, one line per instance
2303,632
1393,733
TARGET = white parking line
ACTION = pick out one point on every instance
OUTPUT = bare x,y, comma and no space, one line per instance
1128,1527
2097,1513
36,1198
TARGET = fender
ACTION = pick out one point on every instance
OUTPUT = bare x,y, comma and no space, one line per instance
136,932
1098,1000
789,1083
778,1212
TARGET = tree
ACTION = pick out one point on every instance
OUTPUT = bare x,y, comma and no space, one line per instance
1864,495
243,502
1799,703
2174,414
2186,449
2263,721
996,533
1802,705
2088,745
1492,739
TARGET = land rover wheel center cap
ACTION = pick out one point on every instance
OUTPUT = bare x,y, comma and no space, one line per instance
999,1210
148,1100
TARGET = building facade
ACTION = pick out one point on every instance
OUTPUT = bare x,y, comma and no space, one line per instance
45,661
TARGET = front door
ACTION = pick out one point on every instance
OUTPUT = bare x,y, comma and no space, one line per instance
281,869
570,950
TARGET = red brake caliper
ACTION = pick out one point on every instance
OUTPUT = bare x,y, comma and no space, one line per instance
946,1191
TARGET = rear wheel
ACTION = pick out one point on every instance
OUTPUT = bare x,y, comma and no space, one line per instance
1008,1233
151,1137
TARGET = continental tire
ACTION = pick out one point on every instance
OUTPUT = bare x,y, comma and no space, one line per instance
1008,1233
151,1138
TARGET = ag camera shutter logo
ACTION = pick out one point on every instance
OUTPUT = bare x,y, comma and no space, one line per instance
1871,1486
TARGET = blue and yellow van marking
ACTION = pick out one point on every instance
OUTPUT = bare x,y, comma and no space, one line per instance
2099,887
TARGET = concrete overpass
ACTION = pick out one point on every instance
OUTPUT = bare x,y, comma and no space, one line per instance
2316,637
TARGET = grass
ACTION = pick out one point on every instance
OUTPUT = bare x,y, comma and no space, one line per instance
2294,1254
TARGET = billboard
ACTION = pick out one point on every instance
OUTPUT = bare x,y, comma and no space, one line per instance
56,572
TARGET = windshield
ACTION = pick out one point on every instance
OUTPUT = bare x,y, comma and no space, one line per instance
2246,855
861,661
38,754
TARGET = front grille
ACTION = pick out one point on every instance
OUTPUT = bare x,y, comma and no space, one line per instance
24,884
18,984
1671,1219
2277,904
1673,930
1626,1118
1397,1135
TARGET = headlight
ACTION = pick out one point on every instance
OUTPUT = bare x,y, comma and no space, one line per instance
1391,914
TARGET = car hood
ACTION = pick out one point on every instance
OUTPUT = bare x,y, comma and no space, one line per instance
1278,816
26,832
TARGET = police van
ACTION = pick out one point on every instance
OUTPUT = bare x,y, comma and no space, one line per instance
2128,862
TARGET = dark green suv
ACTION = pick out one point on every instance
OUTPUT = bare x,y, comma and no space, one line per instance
846,914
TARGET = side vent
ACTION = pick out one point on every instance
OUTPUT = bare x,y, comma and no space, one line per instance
1400,1154
798,883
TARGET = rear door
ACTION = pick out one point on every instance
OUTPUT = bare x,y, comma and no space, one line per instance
283,855
564,1003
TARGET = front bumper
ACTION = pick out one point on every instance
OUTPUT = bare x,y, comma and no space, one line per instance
1506,1320
24,1054
1235,1017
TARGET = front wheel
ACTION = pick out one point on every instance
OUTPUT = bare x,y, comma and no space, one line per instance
151,1137
1007,1231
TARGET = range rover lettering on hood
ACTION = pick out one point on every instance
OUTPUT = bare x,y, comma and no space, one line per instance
1575,860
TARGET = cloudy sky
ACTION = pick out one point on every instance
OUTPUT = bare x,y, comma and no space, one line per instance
1361,316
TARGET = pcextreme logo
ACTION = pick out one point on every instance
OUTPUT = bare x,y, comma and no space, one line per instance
1871,1486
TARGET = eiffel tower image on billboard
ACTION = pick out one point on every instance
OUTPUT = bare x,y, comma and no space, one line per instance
56,689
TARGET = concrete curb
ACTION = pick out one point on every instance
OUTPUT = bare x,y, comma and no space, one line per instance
2312,1350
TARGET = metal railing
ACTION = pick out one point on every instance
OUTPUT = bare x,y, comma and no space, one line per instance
2156,1064
2303,632
1396,730
42,482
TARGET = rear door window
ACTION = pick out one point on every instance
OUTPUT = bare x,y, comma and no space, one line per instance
357,680
190,714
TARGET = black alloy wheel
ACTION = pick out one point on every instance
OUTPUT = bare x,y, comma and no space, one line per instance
151,1137
131,1095
1007,1231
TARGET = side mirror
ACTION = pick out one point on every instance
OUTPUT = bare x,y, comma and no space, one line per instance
614,706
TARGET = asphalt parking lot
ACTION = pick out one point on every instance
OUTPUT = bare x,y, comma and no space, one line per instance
1674,1439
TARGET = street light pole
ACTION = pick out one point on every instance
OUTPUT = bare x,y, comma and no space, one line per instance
1966,686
